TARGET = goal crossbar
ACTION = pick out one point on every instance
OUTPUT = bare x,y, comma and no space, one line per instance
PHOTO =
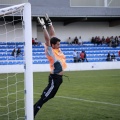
10,10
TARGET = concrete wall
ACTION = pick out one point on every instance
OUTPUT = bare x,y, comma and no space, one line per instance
34,30
84,29
70,67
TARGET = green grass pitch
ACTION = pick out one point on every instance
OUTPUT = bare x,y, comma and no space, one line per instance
87,95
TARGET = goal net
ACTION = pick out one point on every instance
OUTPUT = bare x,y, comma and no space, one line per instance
16,76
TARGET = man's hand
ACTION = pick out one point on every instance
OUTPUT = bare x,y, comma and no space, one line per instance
49,22
41,22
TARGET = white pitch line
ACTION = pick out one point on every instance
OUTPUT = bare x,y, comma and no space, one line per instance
78,99
102,76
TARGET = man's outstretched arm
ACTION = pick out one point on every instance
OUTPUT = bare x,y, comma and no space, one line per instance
51,31
51,28
46,35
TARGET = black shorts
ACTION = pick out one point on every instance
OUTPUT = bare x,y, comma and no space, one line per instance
49,92
53,85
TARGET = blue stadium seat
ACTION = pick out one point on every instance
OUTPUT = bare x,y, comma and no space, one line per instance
3,46
3,63
9,63
19,43
3,43
35,62
19,62
19,58
10,43
3,58
11,58
2,50
10,46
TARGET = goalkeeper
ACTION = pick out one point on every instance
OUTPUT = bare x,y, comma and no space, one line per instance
57,63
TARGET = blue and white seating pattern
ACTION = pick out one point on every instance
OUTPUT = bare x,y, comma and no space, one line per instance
94,53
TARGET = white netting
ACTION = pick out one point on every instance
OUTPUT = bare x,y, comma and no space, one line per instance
12,98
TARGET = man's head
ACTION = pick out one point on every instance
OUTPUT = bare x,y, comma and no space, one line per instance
55,42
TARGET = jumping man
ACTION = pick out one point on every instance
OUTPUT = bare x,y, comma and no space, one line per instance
57,63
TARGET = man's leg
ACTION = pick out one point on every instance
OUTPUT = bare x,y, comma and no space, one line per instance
49,92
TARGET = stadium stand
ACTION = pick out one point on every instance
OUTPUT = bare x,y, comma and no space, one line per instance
94,53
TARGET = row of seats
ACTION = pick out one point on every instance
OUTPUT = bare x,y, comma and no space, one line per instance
67,50
11,43
94,53
62,46
46,61
22,62
67,54
44,57
21,43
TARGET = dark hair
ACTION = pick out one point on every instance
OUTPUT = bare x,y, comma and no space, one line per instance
54,40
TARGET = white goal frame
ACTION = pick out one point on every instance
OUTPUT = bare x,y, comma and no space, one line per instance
28,64
28,71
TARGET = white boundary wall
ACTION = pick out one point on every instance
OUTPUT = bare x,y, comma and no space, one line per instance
70,67
84,29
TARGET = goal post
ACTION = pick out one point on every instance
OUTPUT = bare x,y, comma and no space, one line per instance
25,33
28,62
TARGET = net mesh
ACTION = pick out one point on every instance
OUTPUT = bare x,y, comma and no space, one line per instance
11,84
